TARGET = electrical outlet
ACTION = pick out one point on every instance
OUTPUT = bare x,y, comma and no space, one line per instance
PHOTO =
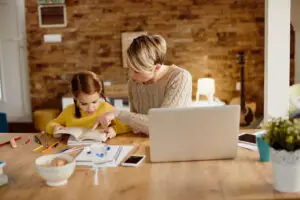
52,38
238,86
107,83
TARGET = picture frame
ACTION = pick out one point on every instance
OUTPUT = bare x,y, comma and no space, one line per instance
52,16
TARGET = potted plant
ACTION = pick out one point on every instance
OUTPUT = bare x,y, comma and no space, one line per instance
283,137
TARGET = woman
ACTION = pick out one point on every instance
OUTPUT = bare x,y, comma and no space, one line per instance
152,84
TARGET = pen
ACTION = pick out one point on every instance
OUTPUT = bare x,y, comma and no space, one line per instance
118,153
37,140
72,149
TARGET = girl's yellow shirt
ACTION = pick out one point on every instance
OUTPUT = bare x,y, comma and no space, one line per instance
67,118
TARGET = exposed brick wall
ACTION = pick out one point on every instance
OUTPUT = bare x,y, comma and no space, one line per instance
203,36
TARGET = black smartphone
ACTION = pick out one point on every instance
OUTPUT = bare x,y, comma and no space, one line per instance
133,161
247,138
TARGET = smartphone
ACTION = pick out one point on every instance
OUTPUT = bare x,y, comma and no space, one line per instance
248,138
133,161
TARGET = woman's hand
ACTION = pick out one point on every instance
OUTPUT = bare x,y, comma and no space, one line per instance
105,119
57,128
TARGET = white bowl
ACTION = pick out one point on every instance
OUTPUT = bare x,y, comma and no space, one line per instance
55,176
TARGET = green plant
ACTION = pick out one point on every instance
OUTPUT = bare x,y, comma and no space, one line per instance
283,134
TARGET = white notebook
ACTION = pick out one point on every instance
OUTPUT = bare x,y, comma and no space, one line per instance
113,157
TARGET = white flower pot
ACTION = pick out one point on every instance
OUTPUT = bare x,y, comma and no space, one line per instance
286,170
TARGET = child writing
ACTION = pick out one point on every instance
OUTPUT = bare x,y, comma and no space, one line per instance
87,90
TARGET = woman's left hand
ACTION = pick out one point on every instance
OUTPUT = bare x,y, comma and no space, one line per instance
105,119
111,133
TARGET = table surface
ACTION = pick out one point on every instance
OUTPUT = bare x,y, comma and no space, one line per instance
241,178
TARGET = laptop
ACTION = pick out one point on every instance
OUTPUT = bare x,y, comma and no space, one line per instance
193,133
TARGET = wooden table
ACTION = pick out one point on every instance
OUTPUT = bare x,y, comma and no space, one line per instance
242,178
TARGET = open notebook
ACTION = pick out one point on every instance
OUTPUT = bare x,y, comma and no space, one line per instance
112,158
82,135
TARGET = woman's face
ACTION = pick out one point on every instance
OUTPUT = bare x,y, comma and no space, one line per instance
141,77
88,102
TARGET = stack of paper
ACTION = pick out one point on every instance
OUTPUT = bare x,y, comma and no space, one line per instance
112,157
248,146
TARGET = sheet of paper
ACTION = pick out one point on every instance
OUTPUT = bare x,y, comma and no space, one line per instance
125,150
98,153
248,146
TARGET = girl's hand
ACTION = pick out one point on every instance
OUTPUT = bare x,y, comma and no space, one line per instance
105,119
57,128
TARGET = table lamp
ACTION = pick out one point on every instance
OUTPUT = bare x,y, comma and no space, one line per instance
206,86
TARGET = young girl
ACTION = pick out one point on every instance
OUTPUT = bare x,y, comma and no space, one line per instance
87,90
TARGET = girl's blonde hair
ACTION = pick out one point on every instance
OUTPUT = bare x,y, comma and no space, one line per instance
86,82
145,52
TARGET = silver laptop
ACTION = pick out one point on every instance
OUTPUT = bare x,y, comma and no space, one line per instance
193,133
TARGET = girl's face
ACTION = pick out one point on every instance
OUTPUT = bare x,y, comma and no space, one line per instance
141,77
88,102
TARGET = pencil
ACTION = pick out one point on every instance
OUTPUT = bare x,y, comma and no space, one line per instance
118,153
50,147
38,148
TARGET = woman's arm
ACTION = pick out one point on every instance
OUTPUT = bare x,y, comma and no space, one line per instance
178,94
138,122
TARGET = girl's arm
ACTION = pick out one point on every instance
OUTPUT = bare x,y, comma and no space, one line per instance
60,120
108,118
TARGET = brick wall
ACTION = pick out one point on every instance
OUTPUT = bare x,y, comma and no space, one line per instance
203,36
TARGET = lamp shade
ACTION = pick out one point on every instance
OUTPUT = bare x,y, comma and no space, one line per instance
206,86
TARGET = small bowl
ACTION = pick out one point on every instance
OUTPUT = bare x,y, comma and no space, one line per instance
55,175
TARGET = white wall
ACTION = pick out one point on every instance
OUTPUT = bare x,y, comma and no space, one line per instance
295,19
297,57
24,62
277,58
13,62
